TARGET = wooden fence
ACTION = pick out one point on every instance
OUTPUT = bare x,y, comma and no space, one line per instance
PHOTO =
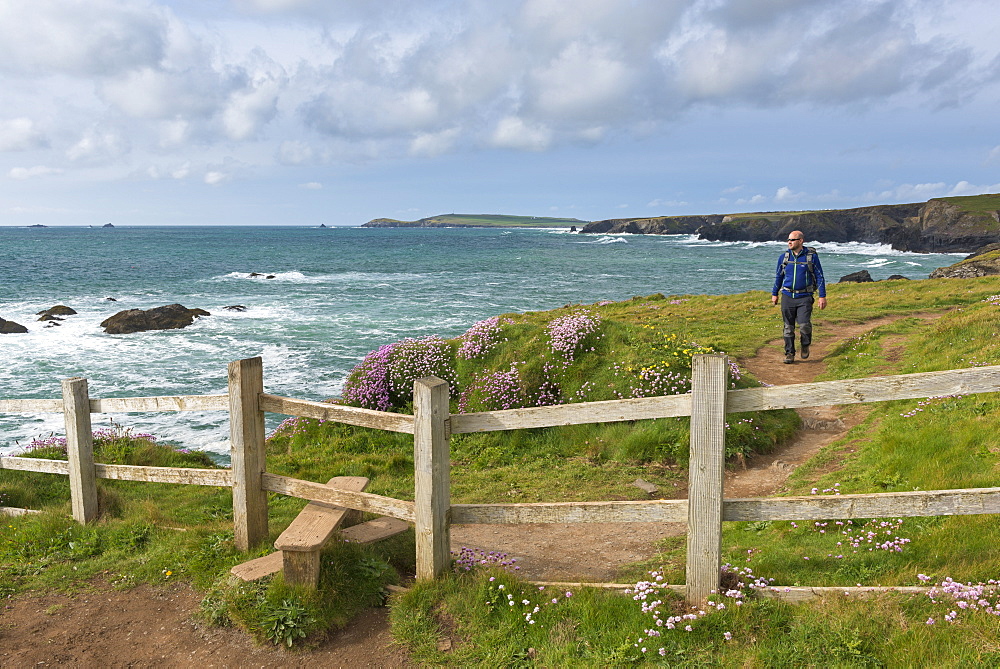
432,426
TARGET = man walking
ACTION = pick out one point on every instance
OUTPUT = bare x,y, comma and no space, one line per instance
797,277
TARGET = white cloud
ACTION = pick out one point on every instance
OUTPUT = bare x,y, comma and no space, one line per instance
22,173
93,38
666,203
786,194
434,143
994,154
514,133
20,134
965,188
215,177
99,145
312,185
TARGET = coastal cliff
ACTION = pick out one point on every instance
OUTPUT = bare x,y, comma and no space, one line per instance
940,225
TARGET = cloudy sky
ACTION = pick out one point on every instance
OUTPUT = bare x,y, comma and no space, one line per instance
143,112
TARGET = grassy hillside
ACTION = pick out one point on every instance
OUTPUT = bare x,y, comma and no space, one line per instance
975,203
638,347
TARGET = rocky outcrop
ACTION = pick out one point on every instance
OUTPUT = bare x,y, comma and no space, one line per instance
861,276
659,225
10,327
53,312
936,226
978,264
169,317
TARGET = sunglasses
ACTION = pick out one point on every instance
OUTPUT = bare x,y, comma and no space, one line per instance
797,239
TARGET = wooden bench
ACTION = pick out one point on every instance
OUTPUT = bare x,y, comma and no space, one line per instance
300,545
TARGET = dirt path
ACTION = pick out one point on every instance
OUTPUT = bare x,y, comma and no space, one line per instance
146,627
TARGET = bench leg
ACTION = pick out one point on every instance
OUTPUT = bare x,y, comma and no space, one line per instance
301,568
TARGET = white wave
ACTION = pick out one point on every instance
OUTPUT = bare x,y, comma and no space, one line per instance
606,240
341,277
878,262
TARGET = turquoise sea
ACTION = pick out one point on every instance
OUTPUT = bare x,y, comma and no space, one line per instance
336,293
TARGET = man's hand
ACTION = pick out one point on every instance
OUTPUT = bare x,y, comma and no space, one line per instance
822,303
774,299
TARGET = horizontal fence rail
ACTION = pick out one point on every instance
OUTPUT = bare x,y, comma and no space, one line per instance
124,404
380,420
967,502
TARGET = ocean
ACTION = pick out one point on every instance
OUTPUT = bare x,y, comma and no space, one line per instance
334,295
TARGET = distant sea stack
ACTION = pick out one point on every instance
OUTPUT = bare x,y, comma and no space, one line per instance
940,225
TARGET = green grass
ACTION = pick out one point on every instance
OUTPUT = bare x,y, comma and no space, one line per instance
160,532
975,203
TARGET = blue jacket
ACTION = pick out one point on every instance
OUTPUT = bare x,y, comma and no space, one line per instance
794,278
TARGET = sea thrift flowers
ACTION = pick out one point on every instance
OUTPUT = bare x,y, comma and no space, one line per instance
384,379
568,334
482,337
966,597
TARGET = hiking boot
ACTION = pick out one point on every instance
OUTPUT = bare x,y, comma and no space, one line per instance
805,352
789,359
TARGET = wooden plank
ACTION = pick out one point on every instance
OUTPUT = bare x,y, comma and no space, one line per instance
246,432
35,465
874,389
314,525
31,406
222,478
653,511
318,492
958,502
431,477
608,411
381,420
14,511
80,450
156,404
258,567
706,470
123,404
374,530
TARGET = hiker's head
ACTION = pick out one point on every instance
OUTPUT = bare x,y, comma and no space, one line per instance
795,240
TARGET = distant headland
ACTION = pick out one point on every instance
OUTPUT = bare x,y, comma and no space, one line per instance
940,225
478,221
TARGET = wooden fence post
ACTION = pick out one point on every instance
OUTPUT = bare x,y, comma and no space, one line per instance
80,449
709,384
246,434
432,476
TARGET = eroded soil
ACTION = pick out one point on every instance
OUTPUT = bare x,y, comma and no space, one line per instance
154,626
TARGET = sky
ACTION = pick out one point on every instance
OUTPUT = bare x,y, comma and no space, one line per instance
309,112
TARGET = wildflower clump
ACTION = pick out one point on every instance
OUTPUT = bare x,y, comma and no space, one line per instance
736,585
492,391
568,335
469,558
384,379
875,534
959,598
481,338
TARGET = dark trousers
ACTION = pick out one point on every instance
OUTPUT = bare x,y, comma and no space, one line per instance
796,311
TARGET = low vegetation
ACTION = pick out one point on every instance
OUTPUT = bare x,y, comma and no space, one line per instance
638,347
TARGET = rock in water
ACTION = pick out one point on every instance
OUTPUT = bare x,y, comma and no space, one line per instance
10,327
169,317
58,310
857,277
